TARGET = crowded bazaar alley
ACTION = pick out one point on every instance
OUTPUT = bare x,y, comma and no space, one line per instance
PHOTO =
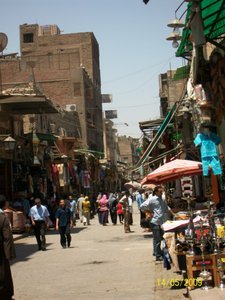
102,263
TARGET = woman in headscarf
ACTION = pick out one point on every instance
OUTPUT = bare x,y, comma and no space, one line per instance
103,210
86,207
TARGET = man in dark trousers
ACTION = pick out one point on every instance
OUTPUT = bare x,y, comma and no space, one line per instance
39,218
7,252
64,223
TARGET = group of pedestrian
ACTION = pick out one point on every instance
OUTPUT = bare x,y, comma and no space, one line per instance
115,205
65,219
67,211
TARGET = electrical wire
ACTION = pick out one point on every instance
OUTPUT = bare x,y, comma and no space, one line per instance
137,71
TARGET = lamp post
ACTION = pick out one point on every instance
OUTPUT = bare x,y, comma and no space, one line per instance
9,146
35,145
176,24
64,158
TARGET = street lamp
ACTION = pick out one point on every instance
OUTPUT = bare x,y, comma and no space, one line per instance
35,144
175,36
176,24
9,144
64,158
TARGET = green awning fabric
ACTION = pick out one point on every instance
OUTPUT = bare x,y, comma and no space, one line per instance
213,16
42,137
181,73
157,137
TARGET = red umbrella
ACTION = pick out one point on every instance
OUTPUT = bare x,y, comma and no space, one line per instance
173,170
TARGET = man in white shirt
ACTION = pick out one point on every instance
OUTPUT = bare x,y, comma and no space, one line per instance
79,207
159,214
39,218
126,211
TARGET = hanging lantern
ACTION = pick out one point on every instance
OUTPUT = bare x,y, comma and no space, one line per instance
9,144
35,144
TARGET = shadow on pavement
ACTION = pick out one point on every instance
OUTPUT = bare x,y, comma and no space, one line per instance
24,251
147,236
74,230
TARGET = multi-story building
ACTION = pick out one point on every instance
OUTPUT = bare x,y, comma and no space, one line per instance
111,146
171,87
64,67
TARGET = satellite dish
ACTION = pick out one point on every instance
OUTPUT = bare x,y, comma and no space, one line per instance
3,41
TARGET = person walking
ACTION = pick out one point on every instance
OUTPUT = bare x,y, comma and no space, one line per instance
98,207
112,208
126,211
159,211
119,208
64,223
39,219
130,206
73,208
7,252
86,207
79,206
140,200
103,210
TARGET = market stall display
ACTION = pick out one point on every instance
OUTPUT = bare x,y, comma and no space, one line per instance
201,238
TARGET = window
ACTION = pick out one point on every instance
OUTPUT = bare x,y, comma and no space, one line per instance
28,38
77,89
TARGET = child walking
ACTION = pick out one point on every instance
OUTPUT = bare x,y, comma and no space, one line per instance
119,209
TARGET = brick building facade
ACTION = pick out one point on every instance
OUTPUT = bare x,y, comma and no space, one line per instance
65,68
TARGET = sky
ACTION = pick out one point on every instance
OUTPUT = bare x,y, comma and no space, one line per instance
132,43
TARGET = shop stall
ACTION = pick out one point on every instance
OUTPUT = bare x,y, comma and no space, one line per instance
197,244
195,238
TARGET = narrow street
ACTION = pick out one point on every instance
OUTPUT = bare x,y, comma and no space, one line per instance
102,263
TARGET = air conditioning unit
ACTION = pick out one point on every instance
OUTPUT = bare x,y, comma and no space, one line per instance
71,107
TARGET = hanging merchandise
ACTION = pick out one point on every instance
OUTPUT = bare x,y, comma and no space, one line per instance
61,175
55,175
208,142
75,171
30,184
85,178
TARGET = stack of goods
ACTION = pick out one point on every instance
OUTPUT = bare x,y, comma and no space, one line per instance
18,224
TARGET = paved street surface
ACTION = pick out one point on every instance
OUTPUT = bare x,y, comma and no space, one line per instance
102,263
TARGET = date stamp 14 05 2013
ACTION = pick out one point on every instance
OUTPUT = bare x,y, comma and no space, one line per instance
176,282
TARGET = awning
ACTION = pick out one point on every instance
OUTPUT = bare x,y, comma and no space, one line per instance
27,104
175,151
151,124
89,152
42,137
181,73
157,137
213,17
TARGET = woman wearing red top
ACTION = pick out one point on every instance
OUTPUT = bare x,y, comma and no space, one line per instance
119,208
